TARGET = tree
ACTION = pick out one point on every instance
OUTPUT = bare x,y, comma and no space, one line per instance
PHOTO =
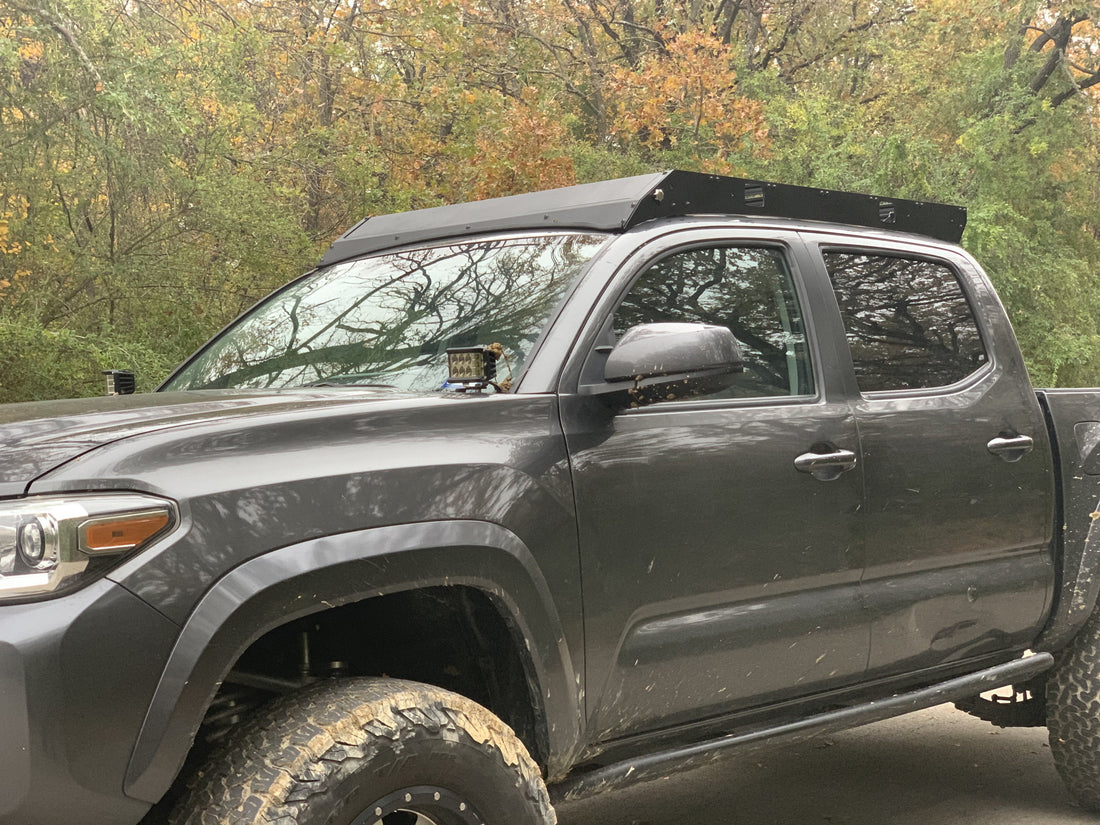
163,163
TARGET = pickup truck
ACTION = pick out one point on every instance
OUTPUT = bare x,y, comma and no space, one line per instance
519,500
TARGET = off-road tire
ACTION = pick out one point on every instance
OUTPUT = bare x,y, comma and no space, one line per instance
1073,714
353,751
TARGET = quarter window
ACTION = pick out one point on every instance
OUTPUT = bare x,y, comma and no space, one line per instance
908,323
749,290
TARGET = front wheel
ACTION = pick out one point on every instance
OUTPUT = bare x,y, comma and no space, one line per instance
364,751
1073,714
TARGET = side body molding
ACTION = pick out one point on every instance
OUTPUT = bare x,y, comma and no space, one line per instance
304,578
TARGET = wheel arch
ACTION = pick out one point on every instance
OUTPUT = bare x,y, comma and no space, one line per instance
322,574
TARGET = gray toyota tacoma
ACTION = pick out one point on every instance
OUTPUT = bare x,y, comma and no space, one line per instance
523,499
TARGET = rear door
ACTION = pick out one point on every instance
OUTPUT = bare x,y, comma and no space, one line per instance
716,574
956,459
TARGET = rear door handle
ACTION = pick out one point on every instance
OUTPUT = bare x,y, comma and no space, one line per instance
1011,448
826,466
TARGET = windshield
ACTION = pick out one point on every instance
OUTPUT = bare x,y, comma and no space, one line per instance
388,319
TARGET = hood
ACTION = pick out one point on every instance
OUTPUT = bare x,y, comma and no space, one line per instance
37,436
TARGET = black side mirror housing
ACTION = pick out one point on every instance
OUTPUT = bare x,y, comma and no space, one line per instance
670,361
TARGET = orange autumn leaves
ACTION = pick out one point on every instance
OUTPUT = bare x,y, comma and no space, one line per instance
686,95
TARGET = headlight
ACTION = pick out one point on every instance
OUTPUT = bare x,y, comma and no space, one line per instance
54,544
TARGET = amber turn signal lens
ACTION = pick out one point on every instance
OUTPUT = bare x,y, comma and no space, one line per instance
122,532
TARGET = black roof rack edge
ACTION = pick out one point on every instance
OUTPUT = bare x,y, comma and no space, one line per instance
617,205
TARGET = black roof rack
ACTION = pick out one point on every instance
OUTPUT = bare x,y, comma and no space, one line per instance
617,205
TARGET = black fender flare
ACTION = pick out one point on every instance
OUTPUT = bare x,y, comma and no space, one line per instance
1080,583
1077,536
303,578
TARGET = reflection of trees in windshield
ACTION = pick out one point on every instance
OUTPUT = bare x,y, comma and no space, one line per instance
908,323
389,319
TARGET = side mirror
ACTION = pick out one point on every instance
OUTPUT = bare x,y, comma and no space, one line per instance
665,362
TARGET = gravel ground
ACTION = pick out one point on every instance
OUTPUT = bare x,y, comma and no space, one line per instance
935,767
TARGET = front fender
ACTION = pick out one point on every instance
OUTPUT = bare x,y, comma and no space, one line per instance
299,579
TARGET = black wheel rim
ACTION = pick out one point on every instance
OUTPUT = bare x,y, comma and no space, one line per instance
422,805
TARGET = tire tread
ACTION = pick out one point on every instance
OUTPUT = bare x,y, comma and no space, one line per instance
1073,714
270,769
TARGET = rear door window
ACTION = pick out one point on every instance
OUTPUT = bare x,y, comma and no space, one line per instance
907,320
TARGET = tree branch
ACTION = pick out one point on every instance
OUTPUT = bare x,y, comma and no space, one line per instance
64,28
1077,88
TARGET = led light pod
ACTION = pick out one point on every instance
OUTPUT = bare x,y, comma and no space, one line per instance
471,366
53,544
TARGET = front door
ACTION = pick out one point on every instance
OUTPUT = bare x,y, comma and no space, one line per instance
719,572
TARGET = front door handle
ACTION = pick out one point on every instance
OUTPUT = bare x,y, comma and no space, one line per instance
826,466
1011,448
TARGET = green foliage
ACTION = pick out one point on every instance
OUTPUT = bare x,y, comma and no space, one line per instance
165,164
973,131
38,363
